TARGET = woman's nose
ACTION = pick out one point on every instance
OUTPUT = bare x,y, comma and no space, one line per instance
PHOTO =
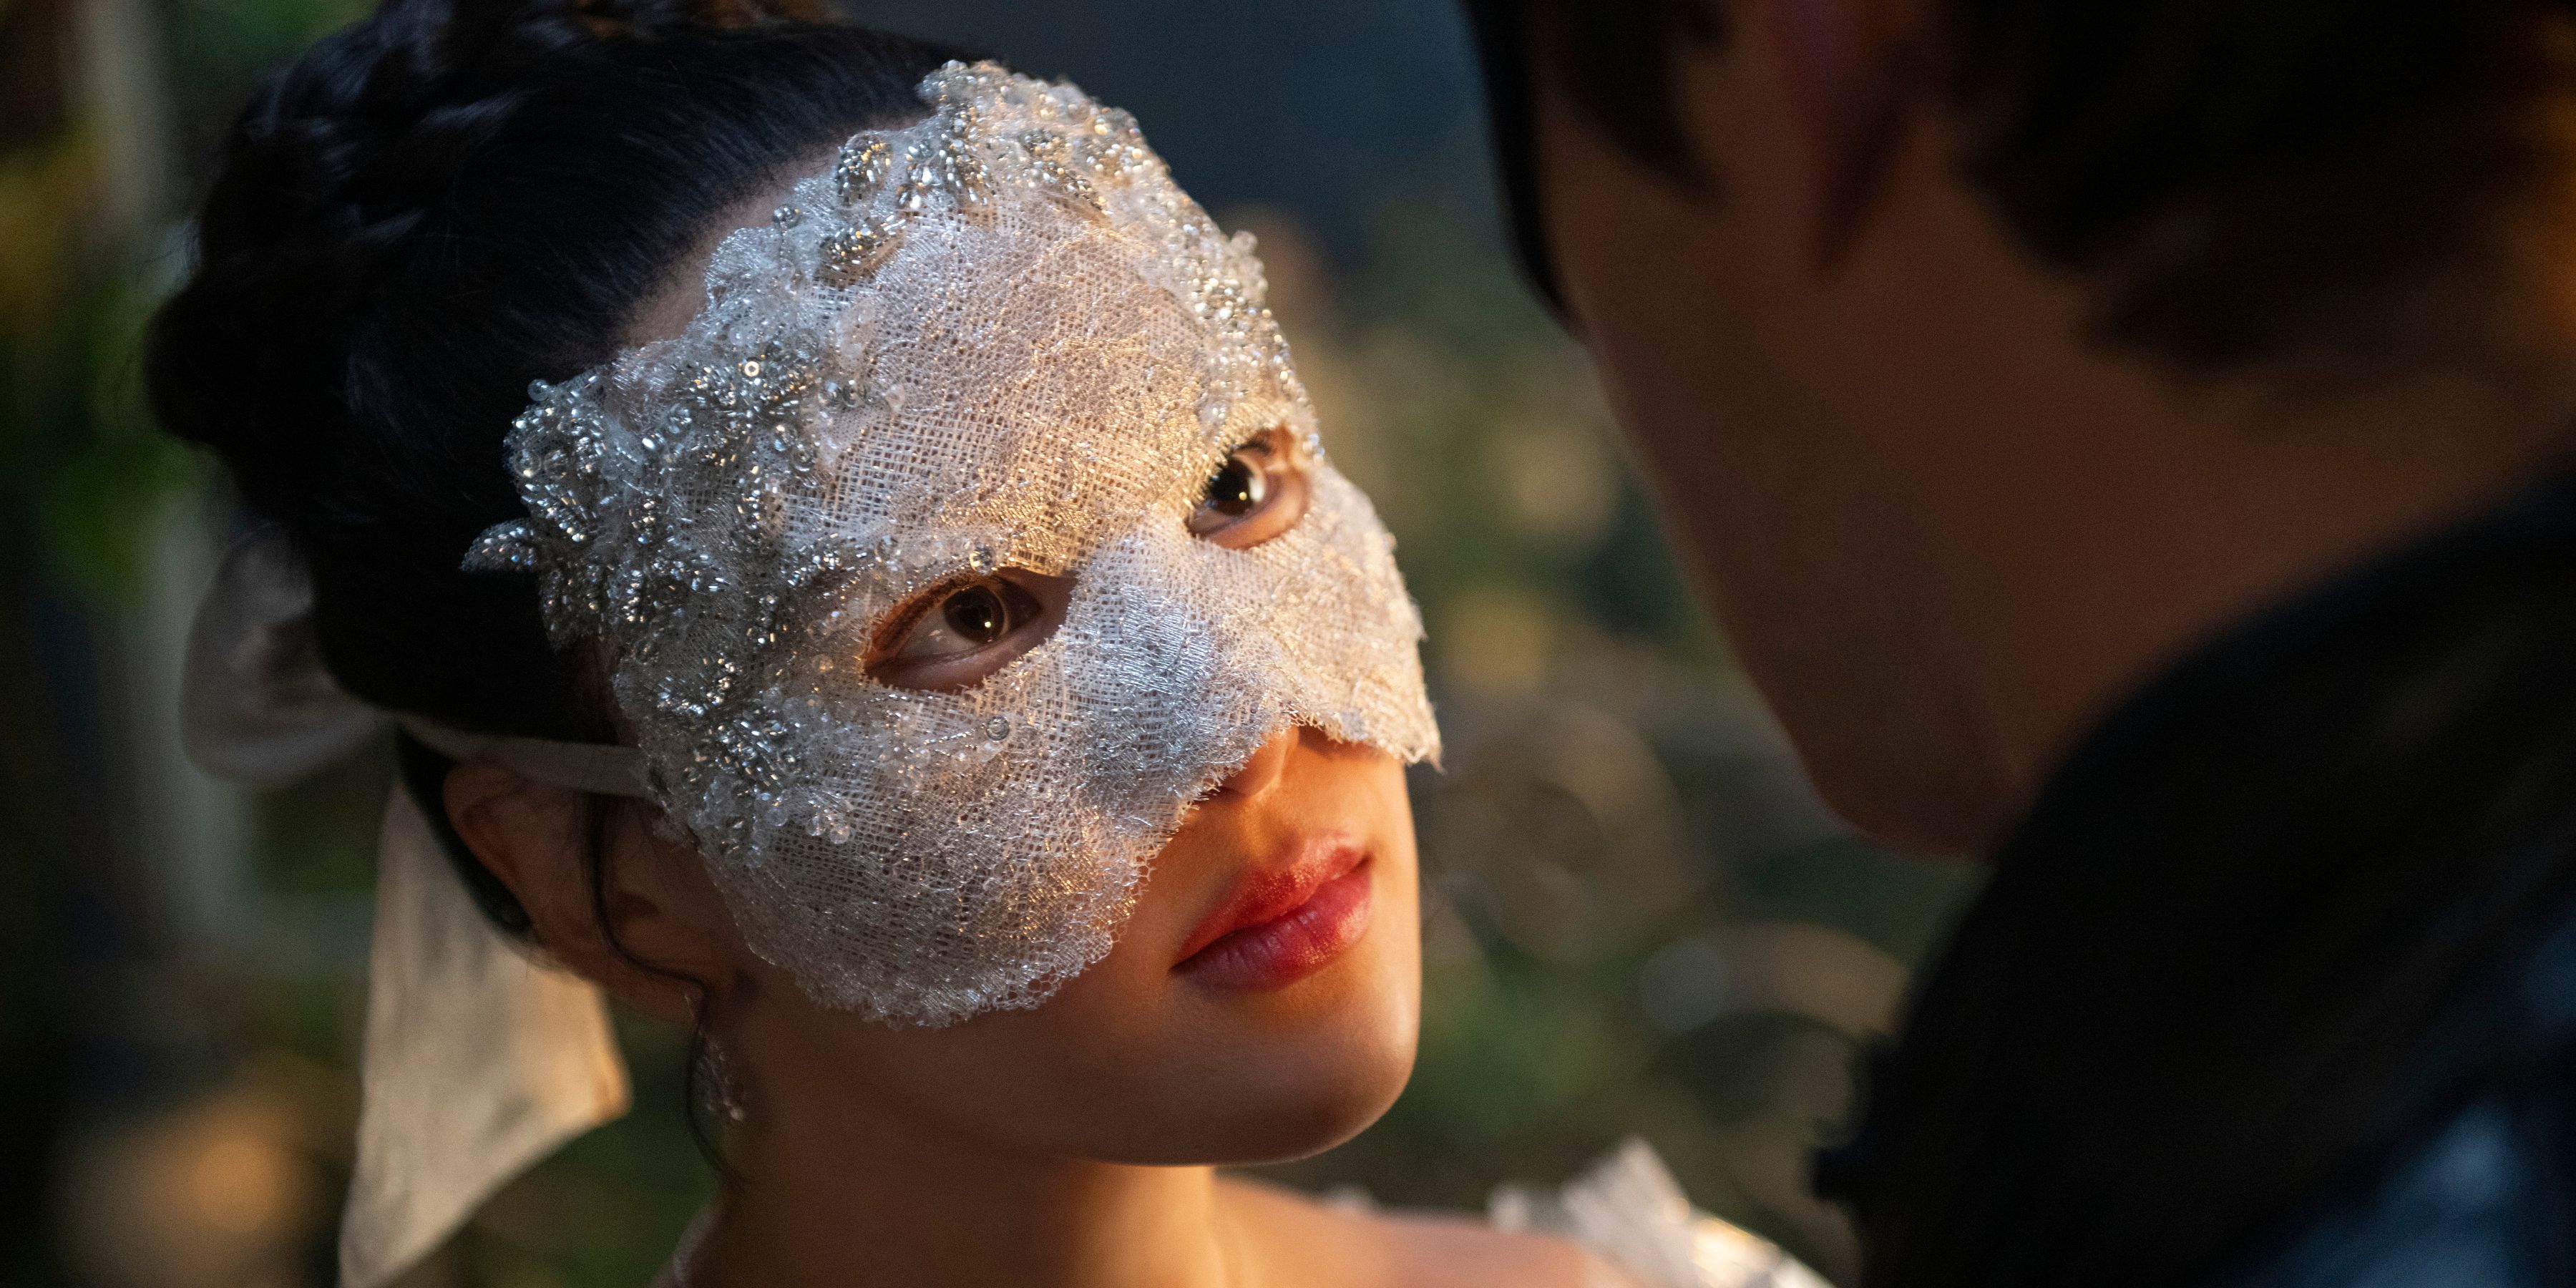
1269,761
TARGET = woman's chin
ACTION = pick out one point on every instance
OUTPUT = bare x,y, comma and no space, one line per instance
1307,1068
1320,1123
1304,1104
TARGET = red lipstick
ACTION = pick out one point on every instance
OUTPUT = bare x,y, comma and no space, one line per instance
1282,923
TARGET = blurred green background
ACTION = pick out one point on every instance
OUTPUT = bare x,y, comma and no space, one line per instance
1641,922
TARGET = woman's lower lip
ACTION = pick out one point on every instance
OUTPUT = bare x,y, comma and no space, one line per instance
1292,946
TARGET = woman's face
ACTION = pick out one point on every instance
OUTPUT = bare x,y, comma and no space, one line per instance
1260,1002
1259,997
938,584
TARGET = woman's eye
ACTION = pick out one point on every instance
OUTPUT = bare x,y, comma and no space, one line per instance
1238,487
955,636
1258,493
970,617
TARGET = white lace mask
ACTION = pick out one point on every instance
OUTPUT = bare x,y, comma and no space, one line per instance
998,338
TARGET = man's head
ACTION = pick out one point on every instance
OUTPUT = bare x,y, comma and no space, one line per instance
1985,352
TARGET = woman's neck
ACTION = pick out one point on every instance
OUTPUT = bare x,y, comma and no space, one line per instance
874,1200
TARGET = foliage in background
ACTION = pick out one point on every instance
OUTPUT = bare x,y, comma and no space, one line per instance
75,464
75,438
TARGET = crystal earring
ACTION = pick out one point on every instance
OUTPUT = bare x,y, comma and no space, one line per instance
719,1086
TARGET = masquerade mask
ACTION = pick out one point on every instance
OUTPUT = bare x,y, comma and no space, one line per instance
974,530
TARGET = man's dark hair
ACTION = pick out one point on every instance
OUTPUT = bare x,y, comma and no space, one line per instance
2247,181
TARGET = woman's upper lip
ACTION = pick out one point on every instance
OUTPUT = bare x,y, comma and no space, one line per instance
1272,890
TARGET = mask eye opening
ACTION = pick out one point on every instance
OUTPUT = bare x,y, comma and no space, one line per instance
1259,491
939,642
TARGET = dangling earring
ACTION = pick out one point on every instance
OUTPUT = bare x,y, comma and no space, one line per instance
719,1087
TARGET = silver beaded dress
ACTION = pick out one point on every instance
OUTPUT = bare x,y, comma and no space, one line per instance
1626,1210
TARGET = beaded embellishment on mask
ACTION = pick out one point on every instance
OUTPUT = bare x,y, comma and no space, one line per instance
998,337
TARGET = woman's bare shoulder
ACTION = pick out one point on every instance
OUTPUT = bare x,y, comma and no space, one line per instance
1310,1241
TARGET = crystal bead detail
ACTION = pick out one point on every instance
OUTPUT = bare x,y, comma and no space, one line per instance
850,255
862,166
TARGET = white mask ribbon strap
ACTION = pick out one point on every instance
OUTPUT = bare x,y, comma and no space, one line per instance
479,1061
603,768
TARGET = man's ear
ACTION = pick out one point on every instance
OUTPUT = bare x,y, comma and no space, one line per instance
644,936
1848,71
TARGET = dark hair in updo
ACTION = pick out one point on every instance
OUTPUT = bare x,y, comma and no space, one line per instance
428,210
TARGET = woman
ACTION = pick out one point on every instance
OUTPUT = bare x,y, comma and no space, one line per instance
913,640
